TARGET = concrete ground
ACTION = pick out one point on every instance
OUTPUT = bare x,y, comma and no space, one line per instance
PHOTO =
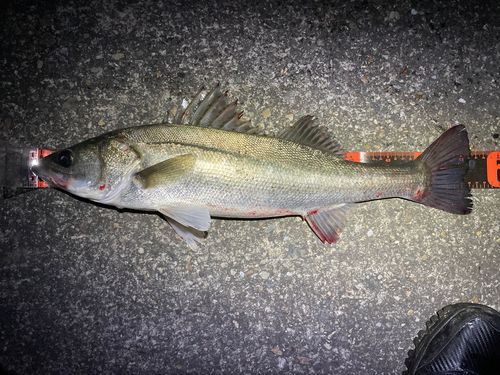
87,289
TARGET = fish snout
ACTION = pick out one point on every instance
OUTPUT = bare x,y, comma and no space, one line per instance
50,177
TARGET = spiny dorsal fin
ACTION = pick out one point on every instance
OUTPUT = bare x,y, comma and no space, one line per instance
213,109
306,133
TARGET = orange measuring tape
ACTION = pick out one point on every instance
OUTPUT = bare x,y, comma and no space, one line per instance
484,166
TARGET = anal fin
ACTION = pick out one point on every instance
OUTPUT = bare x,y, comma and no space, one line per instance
329,223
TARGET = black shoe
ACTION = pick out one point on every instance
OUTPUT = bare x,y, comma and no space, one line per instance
462,339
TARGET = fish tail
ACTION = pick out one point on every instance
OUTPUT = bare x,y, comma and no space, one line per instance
446,162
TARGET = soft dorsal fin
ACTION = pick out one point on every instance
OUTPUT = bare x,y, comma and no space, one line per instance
305,132
213,109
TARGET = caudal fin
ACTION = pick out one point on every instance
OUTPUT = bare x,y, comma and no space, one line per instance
446,161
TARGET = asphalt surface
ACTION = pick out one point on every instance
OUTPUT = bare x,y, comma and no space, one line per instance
87,289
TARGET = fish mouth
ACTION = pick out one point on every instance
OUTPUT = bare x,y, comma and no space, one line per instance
50,177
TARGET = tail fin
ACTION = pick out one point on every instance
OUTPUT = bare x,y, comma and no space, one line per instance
446,160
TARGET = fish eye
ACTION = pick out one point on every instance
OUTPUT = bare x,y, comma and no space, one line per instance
66,158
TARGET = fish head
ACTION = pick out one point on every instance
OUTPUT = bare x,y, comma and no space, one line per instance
97,169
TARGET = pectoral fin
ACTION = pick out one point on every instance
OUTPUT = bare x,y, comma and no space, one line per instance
163,173
328,224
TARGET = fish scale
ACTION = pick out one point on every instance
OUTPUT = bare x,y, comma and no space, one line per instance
278,170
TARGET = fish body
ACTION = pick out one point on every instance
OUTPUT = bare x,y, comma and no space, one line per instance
208,162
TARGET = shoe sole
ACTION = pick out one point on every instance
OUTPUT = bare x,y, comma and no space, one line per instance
434,325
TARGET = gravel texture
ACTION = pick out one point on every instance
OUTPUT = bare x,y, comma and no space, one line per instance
87,289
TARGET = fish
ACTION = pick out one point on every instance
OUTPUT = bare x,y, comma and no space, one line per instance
207,161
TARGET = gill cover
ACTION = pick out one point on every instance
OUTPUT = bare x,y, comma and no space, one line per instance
119,161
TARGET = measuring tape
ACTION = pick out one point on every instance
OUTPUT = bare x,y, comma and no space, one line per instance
484,166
